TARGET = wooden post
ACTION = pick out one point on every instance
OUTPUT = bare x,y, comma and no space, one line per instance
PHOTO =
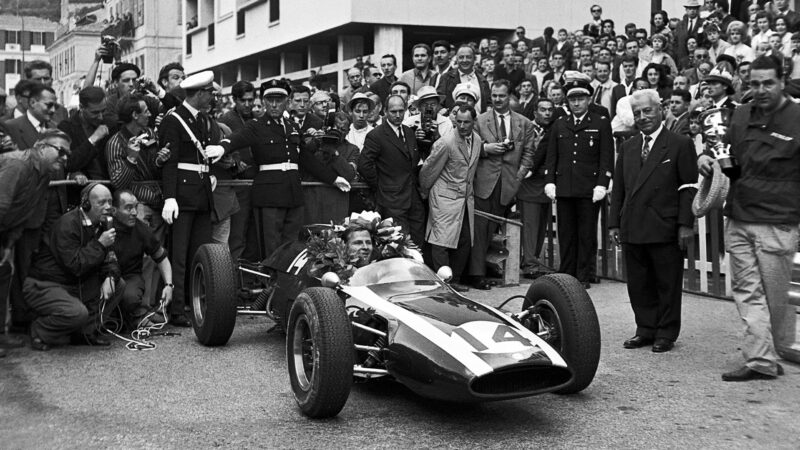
511,272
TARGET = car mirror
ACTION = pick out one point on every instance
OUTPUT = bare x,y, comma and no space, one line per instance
445,273
330,280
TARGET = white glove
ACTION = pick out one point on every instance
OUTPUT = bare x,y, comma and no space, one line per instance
170,210
342,184
598,193
550,191
214,152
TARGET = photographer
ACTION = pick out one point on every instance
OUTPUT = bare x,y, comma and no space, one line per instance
429,125
89,135
126,79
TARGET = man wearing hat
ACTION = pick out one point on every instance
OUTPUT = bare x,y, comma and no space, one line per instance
720,86
320,104
428,119
506,157
578,168
360,106
691,25
188,181
278,152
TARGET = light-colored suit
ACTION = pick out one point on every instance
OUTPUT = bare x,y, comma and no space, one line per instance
447,176
509,165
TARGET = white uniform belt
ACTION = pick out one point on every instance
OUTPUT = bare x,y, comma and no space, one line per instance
193,167
283,167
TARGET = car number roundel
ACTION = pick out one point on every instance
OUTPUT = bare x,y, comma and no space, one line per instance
491,337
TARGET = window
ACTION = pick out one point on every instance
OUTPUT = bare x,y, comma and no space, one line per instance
14,66
274,10
239,22
13,37
211,35
37,38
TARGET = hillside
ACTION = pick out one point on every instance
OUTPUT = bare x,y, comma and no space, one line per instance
46,9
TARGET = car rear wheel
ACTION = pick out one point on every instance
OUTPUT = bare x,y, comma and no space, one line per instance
568,323
319,352
213,295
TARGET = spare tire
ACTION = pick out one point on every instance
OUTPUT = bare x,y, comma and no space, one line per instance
320,352
213,295
570,323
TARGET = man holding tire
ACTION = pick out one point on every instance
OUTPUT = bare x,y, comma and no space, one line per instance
651,216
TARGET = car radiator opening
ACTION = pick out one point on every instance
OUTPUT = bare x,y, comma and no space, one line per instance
519,380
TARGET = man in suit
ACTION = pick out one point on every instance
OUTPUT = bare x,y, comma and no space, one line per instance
782,10
579,164
22,93
507,156
388,164
464,72
187,184
546,42
690,26
300,110
623,89
447,179
383,86
651,216
534,205
679,107
41,72
25,130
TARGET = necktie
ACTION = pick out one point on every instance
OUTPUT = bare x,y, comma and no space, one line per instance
577,121
598,97
646,148
503,134
691,25
400,134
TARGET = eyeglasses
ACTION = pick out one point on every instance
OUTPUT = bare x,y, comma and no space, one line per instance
596,10
62,151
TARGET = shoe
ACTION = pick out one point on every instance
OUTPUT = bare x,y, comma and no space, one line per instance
662,345
637,342
481,283
180,320
594,280
746,374
40,345
459,287
587,285
10,341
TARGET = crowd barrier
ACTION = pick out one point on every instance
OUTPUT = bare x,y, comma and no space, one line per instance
706,267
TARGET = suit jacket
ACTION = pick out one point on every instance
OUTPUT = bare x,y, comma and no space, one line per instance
682,33
382,88
511,165
547,45
389,166
191,189
579,157
447,177
617,93
311,121
531,189
448,83
86,158
22,132
681,125
648,203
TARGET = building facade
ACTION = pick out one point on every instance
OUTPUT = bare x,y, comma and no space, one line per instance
22,39
256,40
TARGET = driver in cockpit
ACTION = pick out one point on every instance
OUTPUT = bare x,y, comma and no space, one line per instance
359,245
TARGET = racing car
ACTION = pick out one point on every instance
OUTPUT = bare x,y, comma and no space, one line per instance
397,318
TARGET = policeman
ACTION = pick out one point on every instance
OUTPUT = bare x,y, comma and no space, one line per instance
277,193
578,167
188,182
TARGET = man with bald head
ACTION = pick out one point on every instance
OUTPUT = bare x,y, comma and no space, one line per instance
464,72
75,275
355,79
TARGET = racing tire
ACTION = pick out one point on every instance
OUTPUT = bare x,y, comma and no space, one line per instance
319,352
568,311
213,295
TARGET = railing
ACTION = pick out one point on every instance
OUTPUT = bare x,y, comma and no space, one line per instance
706,266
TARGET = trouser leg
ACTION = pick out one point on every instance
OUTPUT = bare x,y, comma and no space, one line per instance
6,275
568,235
133,308
484,229
150,271
440,256
533,232
666,263
641,289
587,238
221,231
240,224
459,257
272,220
58,312
293,223
189,231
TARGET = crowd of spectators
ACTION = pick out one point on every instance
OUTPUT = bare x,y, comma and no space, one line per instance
166,144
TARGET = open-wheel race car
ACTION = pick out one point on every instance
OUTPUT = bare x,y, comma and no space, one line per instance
397,318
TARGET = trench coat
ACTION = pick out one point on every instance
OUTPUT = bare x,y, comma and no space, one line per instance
447,177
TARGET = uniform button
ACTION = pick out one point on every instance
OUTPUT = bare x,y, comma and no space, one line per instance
574,153
573,161
576,144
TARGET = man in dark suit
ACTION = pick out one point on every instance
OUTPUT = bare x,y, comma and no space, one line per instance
383,87
300,110
506,158
679,107
782,10
623,89
464,72
25,130
388,164
41,72
534,205
546,42
651,216
188,199
579,164
690,26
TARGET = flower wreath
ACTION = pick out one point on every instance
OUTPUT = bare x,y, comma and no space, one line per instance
327,251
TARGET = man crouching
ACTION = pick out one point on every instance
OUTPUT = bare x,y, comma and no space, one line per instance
75,275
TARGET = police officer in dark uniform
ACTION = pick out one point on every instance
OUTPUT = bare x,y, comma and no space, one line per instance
579,164
277,192
188,182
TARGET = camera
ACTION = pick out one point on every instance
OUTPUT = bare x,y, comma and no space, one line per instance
112,48
107,223
428,123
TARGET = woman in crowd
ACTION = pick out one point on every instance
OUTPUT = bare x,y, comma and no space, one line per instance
782,30
660,56
736,32
656,75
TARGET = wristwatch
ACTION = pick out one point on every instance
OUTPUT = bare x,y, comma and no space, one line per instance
170,285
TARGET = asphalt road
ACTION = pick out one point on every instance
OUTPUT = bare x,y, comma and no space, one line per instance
183,395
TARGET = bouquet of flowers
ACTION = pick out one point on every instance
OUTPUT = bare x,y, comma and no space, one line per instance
328,253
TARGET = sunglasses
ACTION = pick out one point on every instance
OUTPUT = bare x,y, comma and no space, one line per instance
62,151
